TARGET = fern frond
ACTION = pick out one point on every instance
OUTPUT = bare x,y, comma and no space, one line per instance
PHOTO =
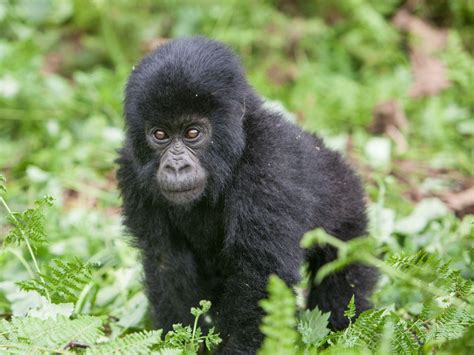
34,335
405,339
450,324
464,345
452,281
366,331
28,224
350,312
3,188
62,280
280,322
435,274
134,343
412,262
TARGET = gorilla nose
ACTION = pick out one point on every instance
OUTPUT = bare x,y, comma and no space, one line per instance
177,167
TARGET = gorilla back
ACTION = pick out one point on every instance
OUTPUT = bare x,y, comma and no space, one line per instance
218,191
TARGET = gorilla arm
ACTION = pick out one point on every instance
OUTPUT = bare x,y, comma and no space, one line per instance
258,243
170,269
172,284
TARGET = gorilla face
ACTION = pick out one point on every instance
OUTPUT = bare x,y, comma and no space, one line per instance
181,177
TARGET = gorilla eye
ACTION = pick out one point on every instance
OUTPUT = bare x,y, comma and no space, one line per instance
160,135
191,133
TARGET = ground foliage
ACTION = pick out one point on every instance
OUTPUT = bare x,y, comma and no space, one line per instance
388,83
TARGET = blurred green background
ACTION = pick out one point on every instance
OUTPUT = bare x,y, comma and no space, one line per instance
388,83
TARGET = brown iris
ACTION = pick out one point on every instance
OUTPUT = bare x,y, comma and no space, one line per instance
160,135
191,133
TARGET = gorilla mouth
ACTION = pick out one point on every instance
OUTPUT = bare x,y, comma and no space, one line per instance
183,195
178,191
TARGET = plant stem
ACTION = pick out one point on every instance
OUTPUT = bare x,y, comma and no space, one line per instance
368,258
195,327
82,297
23,262
28,245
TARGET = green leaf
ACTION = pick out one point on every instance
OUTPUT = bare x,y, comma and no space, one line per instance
3,188
404,340
179,336
134,343
190,339
313,326
33,335
212,339
62,280
28,224
280,321
350,312
365,331
205,307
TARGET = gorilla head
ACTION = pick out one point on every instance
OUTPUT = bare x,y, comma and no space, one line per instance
187,100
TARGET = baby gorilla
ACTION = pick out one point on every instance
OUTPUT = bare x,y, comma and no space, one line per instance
218,192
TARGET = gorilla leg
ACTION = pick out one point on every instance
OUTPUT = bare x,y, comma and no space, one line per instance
240,314
172,287
335,291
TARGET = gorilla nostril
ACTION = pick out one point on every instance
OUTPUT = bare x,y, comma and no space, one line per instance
176,167
184,168
170,169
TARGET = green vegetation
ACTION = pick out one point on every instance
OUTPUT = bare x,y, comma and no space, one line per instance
389,83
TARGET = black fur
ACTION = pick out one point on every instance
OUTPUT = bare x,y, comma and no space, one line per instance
269,183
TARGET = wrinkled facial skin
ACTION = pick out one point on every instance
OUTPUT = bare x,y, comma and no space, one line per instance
181,177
